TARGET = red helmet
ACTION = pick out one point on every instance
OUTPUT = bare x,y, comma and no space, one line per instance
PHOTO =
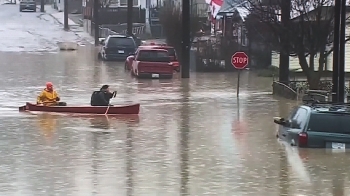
49,84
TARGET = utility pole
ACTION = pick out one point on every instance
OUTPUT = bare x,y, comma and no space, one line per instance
42,6
336,48
97,22
284,55
186,39
129,17
66,26
342,52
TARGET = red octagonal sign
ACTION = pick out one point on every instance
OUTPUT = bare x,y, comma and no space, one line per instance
239,60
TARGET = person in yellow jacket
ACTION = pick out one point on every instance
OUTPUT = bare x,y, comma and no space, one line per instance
49,97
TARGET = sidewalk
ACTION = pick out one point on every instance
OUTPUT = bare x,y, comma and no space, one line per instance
73,27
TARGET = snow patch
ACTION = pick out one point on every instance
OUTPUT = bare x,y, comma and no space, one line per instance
31,32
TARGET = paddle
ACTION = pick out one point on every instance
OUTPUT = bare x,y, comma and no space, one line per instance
113,96
107,109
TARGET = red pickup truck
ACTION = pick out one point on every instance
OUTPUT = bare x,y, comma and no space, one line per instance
171,53
151,63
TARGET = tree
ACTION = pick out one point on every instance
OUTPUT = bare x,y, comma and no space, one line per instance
171,21
310,32
105,3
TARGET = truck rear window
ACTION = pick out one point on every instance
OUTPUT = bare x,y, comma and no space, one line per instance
153,56
330,122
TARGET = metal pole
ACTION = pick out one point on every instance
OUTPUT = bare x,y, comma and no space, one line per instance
186,39
238,81
66,27
129,17
342,53
335,88
96,22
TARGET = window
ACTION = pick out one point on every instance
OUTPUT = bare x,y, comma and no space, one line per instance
125,2
299,118
153,56
120,41
328,122
171,52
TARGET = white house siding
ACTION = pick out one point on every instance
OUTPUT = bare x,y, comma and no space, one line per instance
294,61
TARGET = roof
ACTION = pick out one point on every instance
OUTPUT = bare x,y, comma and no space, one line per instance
232,6
242,7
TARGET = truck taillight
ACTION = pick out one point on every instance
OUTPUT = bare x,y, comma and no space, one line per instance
302,139
170,64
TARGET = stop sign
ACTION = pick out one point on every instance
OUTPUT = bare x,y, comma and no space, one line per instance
239,60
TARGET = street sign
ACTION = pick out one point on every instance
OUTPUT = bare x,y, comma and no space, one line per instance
239,60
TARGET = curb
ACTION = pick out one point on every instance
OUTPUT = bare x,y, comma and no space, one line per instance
75,33
59,22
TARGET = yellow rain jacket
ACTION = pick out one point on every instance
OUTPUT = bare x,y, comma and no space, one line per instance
48,98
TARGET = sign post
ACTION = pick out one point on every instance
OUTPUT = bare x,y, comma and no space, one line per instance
239,61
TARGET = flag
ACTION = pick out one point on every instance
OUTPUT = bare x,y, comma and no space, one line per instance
215,6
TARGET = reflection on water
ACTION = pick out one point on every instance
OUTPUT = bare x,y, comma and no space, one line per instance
184,139
192,137
47,123
129,165
100,122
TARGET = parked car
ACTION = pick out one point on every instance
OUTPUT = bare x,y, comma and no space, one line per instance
151,63
116,47
316,125
171,53
29,5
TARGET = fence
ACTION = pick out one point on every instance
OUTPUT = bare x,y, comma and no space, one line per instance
299,87
106,30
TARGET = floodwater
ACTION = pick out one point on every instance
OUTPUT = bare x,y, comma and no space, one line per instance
192,137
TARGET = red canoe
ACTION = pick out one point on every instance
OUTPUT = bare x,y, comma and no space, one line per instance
128,109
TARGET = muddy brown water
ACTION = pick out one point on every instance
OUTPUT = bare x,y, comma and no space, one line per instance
192,137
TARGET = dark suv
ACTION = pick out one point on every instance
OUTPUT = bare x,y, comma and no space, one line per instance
117,47
27,5
317,125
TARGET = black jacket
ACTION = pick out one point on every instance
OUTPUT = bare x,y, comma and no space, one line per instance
100,98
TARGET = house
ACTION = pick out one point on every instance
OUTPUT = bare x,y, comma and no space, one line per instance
153,26
294,61
73,5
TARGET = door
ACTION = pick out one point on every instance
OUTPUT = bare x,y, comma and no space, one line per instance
298,123
134,66
282,131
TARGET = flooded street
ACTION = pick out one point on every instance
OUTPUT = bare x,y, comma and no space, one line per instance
192,137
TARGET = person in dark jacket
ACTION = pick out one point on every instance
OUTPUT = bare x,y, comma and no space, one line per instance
102,97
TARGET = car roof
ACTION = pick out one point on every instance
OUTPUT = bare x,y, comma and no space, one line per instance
120,36
326,107
153,49
155,46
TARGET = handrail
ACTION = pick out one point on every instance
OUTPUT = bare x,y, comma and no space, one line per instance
286,86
